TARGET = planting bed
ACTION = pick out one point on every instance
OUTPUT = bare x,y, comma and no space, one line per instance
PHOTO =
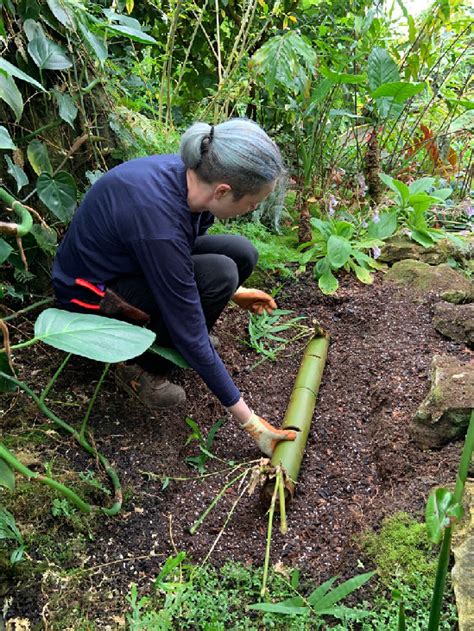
359,466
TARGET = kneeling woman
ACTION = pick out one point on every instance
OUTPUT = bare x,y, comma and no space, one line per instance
141,232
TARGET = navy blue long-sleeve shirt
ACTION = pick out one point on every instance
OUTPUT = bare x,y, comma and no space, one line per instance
136,220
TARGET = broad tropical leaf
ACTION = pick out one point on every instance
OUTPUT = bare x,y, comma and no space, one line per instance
170,354
92,336
5,140
343,77
11,95
47,55
62,13
132,33
422,185
38,157
94,44
278,60
381,68
16,172
400,91
67,107
13,71
58,193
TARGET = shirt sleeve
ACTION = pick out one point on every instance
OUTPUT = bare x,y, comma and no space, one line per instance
168,269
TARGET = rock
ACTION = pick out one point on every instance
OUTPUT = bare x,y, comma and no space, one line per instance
444,414
429,278
455,321
399,248
463,570
456,297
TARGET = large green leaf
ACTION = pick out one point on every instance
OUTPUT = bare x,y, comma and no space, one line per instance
338,251
343,77
400,91
58,193
400,188
5,139
5,250
384,227
67,107
94,44
421,185
170,354
132,33
92,336
11,94
62,12
47,55
381,68
328,283
38,157
16,172
282,59
7,477
13,71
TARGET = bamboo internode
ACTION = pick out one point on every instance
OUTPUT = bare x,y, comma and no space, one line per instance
289,454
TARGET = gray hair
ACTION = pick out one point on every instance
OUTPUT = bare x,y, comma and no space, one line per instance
237,152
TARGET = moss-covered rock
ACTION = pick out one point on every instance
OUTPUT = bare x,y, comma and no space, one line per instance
455,321
400,248
444,414
463,570
429,278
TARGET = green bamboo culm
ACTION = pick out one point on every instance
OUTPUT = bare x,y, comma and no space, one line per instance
26,221
299,414
443,560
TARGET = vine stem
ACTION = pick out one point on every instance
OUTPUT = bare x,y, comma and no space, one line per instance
82,431
115,508
54,378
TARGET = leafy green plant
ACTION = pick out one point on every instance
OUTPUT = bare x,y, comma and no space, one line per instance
323,600
204,443
9,531
264,332
413,202
336,246
91,336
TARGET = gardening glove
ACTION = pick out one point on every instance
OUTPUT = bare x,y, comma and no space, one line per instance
265,435
254,300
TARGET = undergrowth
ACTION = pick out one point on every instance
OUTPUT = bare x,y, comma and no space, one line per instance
276,252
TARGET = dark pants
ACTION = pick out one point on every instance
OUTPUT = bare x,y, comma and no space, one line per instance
221,264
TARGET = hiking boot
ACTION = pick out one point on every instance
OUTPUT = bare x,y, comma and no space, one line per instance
154,391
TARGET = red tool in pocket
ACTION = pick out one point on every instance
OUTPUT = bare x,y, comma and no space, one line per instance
110,304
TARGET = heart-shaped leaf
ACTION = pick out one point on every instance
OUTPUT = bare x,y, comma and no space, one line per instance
58,193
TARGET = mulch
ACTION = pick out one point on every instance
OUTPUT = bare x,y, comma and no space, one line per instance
360,464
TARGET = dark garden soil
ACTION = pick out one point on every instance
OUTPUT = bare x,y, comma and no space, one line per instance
360,464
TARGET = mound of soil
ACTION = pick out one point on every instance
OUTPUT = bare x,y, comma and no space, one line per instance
359,464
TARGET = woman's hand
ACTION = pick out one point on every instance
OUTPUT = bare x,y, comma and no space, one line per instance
254,300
